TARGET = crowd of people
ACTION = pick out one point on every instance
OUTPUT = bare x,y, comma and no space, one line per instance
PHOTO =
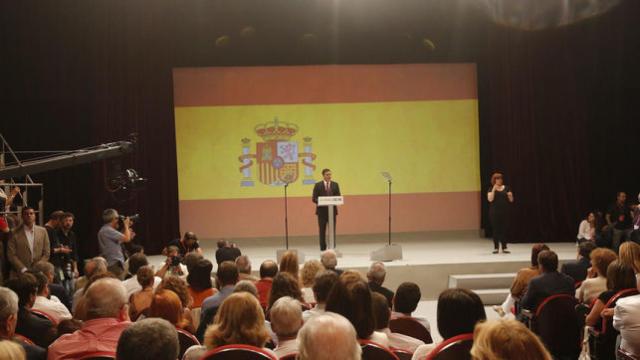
123,307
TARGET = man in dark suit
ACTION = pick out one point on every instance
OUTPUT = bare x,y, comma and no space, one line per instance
326,187
577,269
550,282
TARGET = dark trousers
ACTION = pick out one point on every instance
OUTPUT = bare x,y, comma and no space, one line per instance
322,226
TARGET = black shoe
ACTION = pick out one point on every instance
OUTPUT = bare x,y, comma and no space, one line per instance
505,251
495,251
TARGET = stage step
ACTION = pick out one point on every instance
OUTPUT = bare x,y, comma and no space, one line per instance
481,281
492,296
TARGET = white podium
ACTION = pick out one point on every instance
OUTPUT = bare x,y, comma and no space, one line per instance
330,202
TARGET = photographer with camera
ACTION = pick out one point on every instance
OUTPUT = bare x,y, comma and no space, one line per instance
187,244
110,240
173,264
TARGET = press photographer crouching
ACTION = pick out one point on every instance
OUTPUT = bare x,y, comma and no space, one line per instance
173,264
110,240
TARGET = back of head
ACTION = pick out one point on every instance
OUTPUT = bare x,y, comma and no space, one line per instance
326,337
548,261
145,276
98,265
178,286
284,284
244,264
377,273
268,269
585,248
227,273
191,259
105,298
149,339
407,298
109,215
620,276
246,286
222,243
458,312
44,267
43,282
10,350
25,286
329,259
630,254
199,277
289,263
505,340
535,251
286,317
601,258
381,311
239,320
309,271
8,303
351,298
322,285
56,215
166,305
136,261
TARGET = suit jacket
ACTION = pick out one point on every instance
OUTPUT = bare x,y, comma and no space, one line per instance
577,269
18,252
319,190
545,285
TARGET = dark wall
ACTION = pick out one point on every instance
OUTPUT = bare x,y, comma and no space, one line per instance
557,112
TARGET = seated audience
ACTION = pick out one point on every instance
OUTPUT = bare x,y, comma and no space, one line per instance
626,319
41,331
56,290
577,269
620,276
549,282
50,306
289,264
630,255
136,261
376,275
597,278
246,286
227,276
268,269
459,310
226,252
521,281
180,288
322,285
8,321
188,243
506,339
148,339
406,302
240,320
284,284
351,298
78,308
286,320
382,314
106,318
587,229
10,350
328,336
166,305
94,265
140,301
199,280
329,260
244,268
307,276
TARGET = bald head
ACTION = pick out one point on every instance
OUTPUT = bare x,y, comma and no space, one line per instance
329,259
377,273
328,331
106,298
268,269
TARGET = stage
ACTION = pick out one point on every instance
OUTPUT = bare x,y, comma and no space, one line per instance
429,258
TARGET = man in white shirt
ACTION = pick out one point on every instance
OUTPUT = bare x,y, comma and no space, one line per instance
136,261
286,320
49,305
626,319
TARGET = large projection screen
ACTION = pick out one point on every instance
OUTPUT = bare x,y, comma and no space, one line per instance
243,132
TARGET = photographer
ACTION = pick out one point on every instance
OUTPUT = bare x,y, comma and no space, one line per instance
187,244
110,241
173,264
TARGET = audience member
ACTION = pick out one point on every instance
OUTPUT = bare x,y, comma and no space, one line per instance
406,302
227,276
351,298
132,285
268,269
286,320
626,319
284,284
148,339
56,290
376,275
78,308
50,306
180,287
10,350
28,244
506,339
329,260
191,259
140,301
226,252
630,255
40,331
326,337
246,286
199,280
382,314
188,243
244,268
110,241
578,268
620,276
549,282
64,251
619,218
322,285
307,277
106,318
166,305
458,312
8,322
521,281
94,265
289,263
597,278
587,229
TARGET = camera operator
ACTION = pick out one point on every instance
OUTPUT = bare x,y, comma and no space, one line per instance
173,264
110,241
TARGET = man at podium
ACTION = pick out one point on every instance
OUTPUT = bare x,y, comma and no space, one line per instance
326,187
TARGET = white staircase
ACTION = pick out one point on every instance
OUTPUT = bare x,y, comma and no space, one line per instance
492,288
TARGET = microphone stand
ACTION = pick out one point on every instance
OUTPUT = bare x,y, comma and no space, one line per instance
286,218
389,181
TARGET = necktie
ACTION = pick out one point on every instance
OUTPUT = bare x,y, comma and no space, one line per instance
327,189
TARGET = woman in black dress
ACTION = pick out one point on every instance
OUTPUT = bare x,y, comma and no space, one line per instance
500,198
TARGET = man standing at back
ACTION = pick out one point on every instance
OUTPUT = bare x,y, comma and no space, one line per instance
110,241
326,187
29,243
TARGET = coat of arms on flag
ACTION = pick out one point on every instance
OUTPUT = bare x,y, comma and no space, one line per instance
277,157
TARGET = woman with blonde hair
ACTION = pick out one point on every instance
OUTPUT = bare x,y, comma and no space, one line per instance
10,350
596,281
505,340
307,277
289,263
630,255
